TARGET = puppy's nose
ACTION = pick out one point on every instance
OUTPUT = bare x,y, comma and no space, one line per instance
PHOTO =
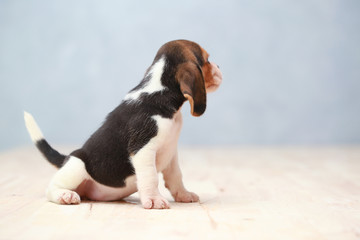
218,66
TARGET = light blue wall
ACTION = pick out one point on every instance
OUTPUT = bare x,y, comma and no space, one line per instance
291,68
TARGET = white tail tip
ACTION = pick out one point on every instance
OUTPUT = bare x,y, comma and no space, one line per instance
32,127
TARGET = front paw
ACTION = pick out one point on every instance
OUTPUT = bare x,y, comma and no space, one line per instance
155,202
186,197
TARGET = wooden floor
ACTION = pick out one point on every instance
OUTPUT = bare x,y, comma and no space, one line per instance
246,193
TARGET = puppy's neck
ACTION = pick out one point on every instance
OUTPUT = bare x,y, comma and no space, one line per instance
158,90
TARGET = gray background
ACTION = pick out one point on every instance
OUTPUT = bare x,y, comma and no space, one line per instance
291,68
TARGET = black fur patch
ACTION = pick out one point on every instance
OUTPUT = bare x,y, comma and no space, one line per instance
49,153
127,129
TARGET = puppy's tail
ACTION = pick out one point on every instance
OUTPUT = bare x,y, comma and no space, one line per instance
53,156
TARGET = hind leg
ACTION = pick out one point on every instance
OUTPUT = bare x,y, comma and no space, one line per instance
65,181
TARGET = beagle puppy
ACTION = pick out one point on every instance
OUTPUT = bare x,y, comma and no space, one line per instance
139,137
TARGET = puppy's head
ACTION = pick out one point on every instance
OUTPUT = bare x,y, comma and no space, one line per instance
194,74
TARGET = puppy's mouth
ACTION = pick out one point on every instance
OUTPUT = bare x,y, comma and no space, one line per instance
217,78
217,75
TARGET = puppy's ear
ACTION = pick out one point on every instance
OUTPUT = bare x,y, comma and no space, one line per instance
192,86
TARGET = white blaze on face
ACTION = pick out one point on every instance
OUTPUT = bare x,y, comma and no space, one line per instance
154,84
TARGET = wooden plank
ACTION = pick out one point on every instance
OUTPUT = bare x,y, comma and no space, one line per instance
246,193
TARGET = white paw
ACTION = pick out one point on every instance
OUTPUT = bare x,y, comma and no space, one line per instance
69,197
186,197
155,202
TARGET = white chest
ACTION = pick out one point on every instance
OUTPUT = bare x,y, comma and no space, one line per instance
167,139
